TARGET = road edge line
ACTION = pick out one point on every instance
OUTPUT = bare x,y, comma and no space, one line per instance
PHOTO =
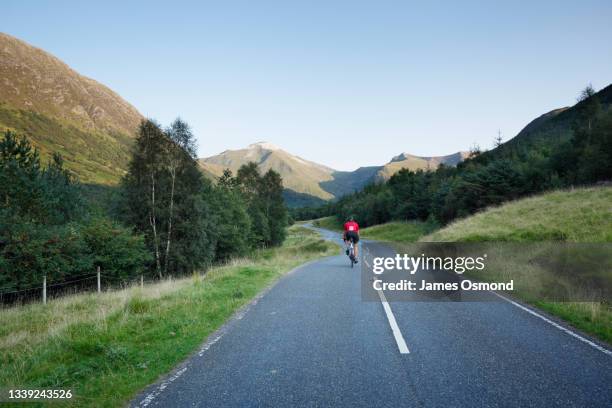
556,325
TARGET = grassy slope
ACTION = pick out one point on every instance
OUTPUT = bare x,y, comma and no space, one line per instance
107,347
396,231
580,215
94,156
330,223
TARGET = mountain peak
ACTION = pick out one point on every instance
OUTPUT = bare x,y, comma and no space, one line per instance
263,145
403,156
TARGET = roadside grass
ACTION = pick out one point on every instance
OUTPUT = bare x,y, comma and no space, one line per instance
577,215
594,318
397,231
330,223
107,347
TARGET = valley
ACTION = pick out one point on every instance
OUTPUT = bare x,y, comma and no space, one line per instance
94,129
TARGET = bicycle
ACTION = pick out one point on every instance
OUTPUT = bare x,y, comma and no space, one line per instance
351,254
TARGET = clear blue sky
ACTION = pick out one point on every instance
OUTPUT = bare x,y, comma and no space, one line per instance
320,77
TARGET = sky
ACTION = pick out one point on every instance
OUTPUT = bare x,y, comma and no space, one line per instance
343,83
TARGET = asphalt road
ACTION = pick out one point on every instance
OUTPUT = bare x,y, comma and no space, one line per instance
315,340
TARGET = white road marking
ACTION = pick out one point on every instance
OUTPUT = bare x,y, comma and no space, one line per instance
399,339
151,396
558,326
397,333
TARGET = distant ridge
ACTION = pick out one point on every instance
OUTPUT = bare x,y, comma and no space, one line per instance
305,178
412,162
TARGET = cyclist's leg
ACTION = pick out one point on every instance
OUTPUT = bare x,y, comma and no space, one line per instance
355,241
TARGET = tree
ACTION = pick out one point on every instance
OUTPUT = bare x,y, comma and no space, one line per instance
275,211
21,192
181,134
590,105
62,192
183,149
230,218
118,252
498,141
142,185
266,206
249,180
162,198
475,151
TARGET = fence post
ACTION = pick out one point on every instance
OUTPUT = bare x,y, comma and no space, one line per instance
44,289
98,275
141,281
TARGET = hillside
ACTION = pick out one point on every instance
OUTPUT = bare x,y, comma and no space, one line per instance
579,215
346,182
553,127
63,111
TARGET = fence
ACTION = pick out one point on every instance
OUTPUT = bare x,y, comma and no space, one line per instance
80,283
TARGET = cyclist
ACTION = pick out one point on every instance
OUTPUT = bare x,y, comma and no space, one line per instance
351,234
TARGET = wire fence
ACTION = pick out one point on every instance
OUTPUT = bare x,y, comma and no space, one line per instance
96,281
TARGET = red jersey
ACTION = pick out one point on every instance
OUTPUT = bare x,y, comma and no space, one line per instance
351,226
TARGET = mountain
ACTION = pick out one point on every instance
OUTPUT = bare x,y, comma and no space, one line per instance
411,162
299,175
310,183
62,111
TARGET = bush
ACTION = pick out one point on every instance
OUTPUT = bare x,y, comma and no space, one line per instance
29,251
113,248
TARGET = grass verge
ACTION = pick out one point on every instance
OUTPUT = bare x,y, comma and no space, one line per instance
107,347
330,223
578,215
397,231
